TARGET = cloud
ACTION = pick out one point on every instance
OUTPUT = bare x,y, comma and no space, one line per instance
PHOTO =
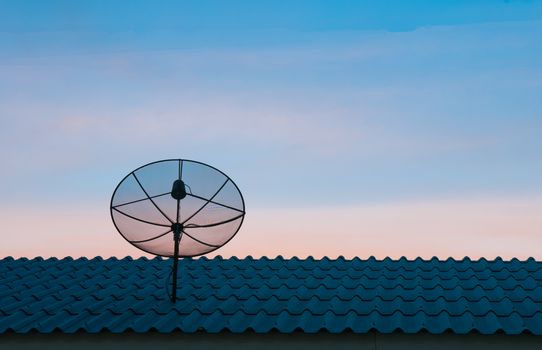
383,110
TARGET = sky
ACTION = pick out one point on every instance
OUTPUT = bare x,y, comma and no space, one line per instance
352,128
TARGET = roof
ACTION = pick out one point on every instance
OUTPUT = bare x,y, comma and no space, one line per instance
264,295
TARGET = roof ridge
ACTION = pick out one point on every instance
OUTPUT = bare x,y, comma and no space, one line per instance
282,258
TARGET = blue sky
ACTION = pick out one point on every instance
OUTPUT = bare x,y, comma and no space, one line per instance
310,106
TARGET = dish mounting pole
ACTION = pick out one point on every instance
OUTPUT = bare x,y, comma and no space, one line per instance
177,233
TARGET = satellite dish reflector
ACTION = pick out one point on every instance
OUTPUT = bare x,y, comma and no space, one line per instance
177,208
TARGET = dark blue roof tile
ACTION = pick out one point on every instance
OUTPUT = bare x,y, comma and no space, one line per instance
517,294
496,293
534,324
503,307
265,294
143,322
526,308
511,324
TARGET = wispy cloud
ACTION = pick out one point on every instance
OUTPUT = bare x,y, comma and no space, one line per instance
357,115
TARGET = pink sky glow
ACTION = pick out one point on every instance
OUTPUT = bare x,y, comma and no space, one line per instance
484,227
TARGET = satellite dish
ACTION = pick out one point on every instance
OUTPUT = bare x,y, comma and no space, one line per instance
177,208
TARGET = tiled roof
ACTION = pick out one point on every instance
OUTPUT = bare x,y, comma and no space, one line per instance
264,295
